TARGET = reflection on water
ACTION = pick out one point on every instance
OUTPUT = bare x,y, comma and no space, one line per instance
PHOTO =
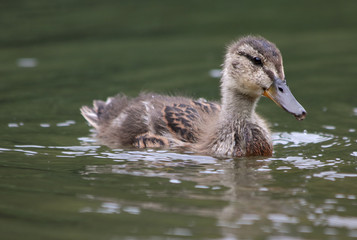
257,203
333,175
296,139
108,207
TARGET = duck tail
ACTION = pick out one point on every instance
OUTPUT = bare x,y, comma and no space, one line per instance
92,114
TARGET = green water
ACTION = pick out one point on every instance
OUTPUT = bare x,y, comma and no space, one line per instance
56,183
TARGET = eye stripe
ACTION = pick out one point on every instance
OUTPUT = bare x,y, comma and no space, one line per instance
256,60
269,73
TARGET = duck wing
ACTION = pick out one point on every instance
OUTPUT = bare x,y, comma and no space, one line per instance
184,120
149,120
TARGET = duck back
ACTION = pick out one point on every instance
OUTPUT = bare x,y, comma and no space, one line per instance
149,120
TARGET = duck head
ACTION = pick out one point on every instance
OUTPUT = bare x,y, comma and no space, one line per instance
254,67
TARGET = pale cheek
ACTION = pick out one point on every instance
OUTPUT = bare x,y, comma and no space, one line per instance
250,88
263,81
255,88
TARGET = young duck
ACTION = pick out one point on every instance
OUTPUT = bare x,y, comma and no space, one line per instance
252,67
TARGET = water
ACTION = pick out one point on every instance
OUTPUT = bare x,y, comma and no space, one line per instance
56,182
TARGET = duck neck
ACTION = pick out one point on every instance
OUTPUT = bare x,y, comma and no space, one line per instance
236,105
240,132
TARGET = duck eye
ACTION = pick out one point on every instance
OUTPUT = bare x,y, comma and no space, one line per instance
257,61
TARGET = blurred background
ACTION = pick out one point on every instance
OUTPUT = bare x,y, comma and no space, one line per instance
81,50
58,55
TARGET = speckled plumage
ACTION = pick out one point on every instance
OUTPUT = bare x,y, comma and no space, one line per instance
229,128
173,121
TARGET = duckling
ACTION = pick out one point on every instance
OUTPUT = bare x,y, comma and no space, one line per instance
252,68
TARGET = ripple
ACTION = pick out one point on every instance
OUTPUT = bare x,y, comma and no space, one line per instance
105,208
298,139
132,210
338,221
26,152
66,123
175,181
329,127
163,164
76,148
87,140
305,163
202,186
70,151
154,156
4,149
248,219
14,125
184,232
332,175
29,146
282,218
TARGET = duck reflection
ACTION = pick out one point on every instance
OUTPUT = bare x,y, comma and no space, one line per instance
238,184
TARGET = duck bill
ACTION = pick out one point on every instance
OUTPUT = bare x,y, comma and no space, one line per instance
280,93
